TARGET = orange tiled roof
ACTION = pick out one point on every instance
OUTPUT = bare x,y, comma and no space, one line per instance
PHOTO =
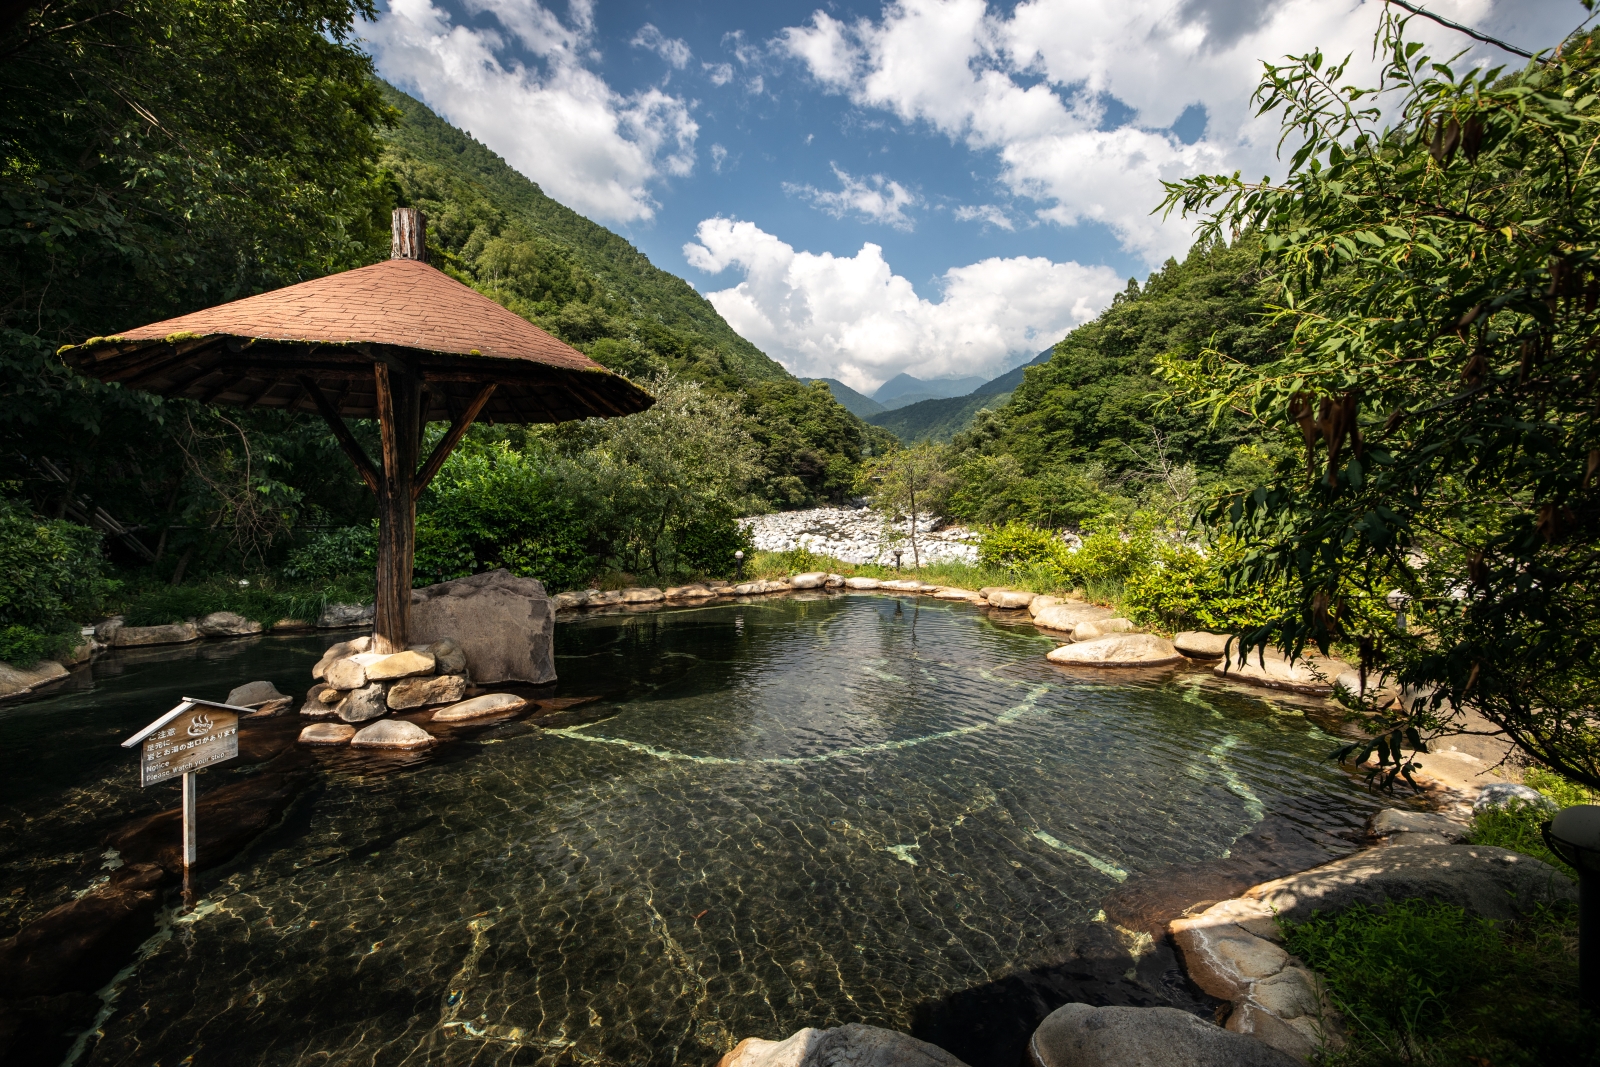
396,302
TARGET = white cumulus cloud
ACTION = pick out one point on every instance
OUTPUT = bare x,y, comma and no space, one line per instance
671,49
874,198
1033,85
590,147
853,318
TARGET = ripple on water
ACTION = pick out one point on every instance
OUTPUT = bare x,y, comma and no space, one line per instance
781,814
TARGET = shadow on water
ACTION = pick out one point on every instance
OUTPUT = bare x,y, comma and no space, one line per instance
723,821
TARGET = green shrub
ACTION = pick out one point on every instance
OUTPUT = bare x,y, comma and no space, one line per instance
707,542
1018,547
1518,827
1423,982
50,578
336,553
492,506
1184,588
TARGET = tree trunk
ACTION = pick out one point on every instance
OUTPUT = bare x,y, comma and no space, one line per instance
399,419
911,483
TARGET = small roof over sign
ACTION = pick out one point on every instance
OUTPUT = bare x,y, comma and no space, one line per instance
188,702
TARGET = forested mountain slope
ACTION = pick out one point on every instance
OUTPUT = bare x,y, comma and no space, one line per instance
497,231
859,405
941,419
1094,422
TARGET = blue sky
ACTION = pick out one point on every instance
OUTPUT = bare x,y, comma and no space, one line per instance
938,187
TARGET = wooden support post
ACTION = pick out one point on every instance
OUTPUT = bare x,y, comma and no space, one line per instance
191,835
341,433
399,396
442,450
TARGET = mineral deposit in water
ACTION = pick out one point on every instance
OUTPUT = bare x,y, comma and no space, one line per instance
780,814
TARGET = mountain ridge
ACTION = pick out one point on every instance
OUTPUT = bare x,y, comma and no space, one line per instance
940,419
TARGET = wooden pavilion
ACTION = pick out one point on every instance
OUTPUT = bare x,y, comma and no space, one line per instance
399,342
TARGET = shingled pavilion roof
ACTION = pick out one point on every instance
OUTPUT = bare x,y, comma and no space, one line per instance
256,351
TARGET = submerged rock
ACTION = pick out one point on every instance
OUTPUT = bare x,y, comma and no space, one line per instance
327,733
503,623
1081,1035
226,624
851,1045
1122,650
479,707
1200,644
392,733
420,692
80,945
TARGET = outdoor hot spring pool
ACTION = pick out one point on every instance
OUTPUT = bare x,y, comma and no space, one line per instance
786,813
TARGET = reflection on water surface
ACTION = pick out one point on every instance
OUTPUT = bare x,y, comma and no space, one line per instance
783,813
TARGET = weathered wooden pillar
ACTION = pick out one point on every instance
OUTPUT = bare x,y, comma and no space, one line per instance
399,421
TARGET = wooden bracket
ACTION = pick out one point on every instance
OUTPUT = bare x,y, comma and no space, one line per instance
341,432
442,450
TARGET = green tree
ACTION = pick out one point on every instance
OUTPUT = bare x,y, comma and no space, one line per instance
1437,241
907,481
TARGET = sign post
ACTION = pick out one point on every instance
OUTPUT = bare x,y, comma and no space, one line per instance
195,734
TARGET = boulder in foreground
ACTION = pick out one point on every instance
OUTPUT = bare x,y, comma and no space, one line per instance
503,623
1081,1035
851,1045
1118,650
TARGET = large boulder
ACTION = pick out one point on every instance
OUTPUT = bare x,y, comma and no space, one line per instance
1081,1035
851,1045
1494,883
173,633
226,624
16,682
392,733
350,672
809,580
862,583
1308,674
1010,599
1042,601
1118,650
1397,826
642,595
342,616
504,624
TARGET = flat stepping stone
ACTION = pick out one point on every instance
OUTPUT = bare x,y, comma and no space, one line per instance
1120,650
1201,644
862,583
479,707
392,733
327,733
